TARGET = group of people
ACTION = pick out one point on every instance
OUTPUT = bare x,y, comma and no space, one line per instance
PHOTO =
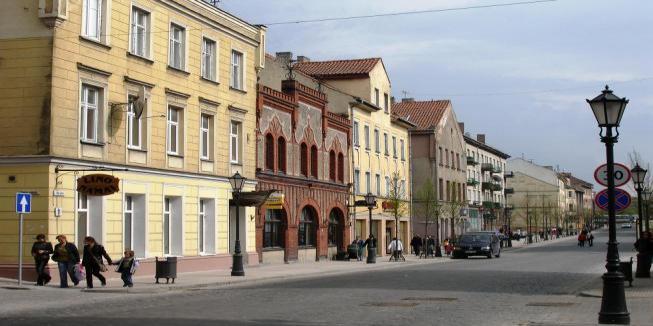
585,236
69,262
370,241
427,247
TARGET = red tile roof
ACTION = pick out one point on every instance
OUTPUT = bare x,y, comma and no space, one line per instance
424,114
338,68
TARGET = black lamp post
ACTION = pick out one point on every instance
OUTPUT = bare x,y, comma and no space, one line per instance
608,110
638,179
237,181
647,198
370,200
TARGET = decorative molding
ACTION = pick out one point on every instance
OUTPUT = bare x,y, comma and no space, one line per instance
237,110
207,101
176,93
130,80
82,66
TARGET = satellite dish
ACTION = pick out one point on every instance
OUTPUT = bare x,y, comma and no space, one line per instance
140,103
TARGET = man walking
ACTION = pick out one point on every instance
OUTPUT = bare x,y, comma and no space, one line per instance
41,251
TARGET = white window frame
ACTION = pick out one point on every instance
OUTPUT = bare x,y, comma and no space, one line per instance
394,146
366,130
201,225
169,133
403,152
377,95
377,179
357,181
387,186
182,46
146,51
85,106
167,232
82,209
237,70
385,144
368,182
377,141
98,20
209,58
205,136
131,122
234,141
128,209
355,132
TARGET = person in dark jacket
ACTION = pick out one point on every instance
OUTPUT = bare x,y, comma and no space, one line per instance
41,251
67,257
416,243
93,263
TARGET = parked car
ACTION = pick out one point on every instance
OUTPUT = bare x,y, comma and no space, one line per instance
477,244
626,226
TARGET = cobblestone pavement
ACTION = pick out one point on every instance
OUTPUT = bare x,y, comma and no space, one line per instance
535,285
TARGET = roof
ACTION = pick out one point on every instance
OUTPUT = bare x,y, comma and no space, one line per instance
424,114
336,69
485,147
533,170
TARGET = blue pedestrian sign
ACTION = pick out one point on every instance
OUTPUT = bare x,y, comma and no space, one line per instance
622,199
23,203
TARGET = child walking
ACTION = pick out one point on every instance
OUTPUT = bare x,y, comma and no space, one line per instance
127,267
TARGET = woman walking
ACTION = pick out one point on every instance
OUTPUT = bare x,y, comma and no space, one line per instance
67,257
93,253
41,251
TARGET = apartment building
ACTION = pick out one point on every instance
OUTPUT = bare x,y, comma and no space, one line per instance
160,94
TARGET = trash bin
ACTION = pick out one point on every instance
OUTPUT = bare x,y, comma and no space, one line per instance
166,268
626,267
352,250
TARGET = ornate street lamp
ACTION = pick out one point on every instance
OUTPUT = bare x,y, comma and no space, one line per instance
608,110
370,200
237,181
638,179
646,194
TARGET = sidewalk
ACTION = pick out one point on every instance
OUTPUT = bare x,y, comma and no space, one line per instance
642,289
17,299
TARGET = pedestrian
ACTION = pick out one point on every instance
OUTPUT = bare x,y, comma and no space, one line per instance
447,250
41,251
93,263
127,266
361,252
416,244
396,247
581,239
67,258
590,239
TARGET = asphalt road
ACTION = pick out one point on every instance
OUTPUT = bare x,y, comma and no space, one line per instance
527,286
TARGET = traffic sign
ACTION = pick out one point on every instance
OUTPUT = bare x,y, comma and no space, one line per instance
622,199
23,203
621,175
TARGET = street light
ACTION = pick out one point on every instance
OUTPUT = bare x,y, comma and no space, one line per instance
237,181
608,110
370,200
638,179
647,197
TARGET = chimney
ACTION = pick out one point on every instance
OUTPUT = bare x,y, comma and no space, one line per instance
461,125
480,138
408,99
301,58
284,57
392,100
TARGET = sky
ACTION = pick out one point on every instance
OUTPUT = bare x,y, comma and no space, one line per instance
518,74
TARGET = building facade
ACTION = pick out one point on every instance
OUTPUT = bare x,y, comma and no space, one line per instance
95,86
438,157
485,184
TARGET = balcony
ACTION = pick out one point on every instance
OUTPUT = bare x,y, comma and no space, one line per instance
471,161
472,182
487,167
488,204
496,170
498,205
497,187
487,186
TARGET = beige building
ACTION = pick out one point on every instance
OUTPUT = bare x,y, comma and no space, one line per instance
380,151
74,77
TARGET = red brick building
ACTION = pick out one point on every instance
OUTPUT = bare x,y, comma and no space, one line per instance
302,152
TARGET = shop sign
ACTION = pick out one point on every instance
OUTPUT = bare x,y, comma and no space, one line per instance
387,205
275,201
98,184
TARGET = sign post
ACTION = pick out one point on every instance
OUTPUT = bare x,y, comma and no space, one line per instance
23,206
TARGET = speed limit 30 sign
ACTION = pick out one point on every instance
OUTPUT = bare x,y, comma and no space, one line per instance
621,175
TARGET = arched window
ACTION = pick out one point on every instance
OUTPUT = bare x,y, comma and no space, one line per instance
273,231
269,152
281,154
303,160
314,161
306,231
335,228
332,166
341,167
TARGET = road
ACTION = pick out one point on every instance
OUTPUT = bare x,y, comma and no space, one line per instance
536,285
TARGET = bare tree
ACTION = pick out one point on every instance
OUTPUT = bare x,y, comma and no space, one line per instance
452,209
397,201
428,205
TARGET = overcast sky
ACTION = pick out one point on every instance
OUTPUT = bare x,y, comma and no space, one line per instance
518,74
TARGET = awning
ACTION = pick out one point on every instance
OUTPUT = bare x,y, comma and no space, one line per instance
252,198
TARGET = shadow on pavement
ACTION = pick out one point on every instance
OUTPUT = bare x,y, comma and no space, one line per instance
135,321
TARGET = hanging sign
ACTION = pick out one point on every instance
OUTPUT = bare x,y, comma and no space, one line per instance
98,184
275,201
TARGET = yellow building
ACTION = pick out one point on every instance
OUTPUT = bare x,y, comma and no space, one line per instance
74,76
380,151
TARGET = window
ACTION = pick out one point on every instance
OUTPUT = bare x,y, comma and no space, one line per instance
281,155
140,32
386,102
368,183
403,153
82,217
440,190
201,221
448,193
335,231
385,142
209,59
441,155
402,188
177,55
314,162
273,232
387,186
167,211
341,167
173,130
90,113
306,230
367,137
128,223
376,97
303,159
357,182
206,136
458,161
332,166
92,27
394,146
237,70
134,126
234,142
355,131
377,179
377,143
447,160
269,152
